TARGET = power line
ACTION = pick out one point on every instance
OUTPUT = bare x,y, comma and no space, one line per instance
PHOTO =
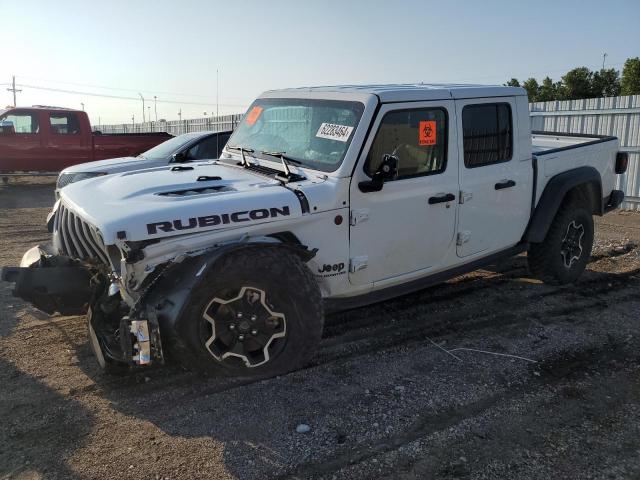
122,97
117,89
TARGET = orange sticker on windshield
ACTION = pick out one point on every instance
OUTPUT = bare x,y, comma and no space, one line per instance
252,116
427,133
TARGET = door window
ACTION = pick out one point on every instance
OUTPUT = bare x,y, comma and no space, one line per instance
488,134
209,148
418,138
22,122
64,124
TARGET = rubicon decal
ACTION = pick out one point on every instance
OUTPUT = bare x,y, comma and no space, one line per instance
213,220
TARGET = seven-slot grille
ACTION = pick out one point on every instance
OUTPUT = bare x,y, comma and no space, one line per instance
78,239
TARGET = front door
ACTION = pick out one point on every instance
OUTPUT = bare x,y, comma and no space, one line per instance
408,226
495,176
22,150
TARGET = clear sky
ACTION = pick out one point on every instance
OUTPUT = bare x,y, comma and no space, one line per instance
172,49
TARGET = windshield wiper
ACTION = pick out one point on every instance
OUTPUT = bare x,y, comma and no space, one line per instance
284,159
242,150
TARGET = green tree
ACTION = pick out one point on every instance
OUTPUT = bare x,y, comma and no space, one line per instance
532,88
605,83
577,83
512,83
548,90
630,82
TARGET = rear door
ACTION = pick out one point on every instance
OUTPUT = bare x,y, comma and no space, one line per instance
495,176
407,227
68,144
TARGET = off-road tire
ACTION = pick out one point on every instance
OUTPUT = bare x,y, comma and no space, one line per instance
546,260
289,287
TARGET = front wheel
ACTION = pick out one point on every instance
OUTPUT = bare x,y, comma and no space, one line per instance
257,312
563,255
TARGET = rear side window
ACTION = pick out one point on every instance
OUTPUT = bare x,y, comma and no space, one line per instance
21,122
488,134
64,124
417,137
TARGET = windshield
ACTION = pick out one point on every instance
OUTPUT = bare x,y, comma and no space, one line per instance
171,146
316,133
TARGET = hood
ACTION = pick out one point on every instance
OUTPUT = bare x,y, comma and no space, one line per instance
167,201
116,165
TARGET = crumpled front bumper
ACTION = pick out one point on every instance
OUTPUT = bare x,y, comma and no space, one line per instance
51,283
54,283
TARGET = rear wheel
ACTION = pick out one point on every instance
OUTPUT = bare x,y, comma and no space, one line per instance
258,311
563,255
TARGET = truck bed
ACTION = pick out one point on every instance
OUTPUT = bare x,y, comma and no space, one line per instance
557,152
549,142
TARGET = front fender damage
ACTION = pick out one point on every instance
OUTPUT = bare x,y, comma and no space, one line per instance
171,293
126,329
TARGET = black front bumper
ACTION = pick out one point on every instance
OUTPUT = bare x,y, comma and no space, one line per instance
51,283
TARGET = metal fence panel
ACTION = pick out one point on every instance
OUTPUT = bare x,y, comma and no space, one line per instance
176,127
617,116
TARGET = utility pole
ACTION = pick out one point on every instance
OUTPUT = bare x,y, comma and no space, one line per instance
217,91
149,112
155,107
143,118
604,57
133,122
180,114
82,106
14,90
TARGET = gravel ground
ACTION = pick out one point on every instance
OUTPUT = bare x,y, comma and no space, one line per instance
404,389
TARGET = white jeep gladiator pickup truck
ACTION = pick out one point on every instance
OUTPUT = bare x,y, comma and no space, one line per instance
323,199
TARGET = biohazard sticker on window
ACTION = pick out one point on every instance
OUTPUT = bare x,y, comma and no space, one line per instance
253,115
427,132
333,131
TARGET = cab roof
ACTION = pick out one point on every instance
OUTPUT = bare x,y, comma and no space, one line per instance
412,91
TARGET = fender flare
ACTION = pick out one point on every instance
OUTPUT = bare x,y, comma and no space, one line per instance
171,293
553,195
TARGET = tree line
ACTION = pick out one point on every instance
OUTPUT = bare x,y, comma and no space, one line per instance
584,83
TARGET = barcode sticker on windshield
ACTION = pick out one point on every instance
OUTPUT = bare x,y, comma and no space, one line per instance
333,131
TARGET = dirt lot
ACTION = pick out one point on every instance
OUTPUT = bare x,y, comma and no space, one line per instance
392,392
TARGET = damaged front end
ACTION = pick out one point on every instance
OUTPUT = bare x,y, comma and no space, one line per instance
119,336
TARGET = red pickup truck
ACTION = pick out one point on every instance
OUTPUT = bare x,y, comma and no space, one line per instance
48,139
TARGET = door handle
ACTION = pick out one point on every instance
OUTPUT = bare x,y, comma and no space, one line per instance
449,197
505,184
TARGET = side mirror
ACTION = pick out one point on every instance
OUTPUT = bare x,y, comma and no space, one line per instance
7,128
388,170
179,157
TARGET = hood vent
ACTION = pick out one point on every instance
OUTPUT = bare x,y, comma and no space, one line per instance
197,191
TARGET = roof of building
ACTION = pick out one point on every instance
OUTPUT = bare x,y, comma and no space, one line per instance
416,91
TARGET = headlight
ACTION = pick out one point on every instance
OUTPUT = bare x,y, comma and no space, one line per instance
65,179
